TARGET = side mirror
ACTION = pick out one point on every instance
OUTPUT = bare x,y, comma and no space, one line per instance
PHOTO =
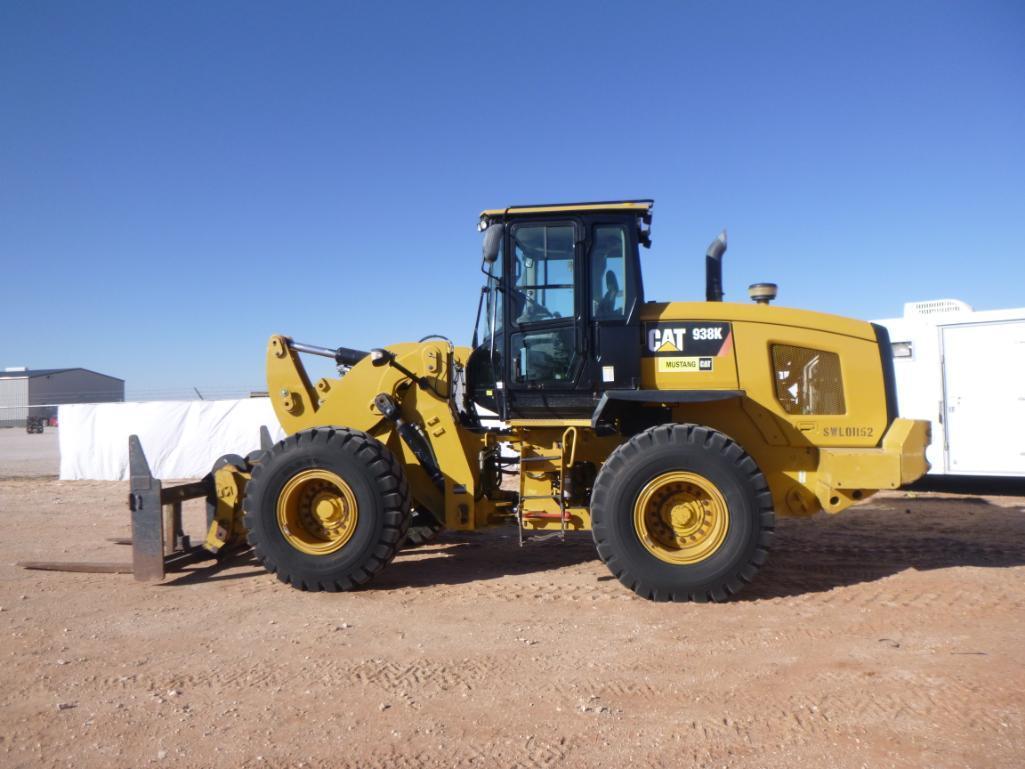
493,241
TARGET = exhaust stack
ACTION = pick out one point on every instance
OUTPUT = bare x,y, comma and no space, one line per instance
713,268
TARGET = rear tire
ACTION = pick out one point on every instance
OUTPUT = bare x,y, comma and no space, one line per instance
682,513
326,509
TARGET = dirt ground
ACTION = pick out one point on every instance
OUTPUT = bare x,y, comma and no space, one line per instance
889,636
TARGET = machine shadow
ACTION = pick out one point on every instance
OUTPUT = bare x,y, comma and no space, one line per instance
864,544
459,558
217,570
885,537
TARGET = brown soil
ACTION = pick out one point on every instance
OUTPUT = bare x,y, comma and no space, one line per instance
890,635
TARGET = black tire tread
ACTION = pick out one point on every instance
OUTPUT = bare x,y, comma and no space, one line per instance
709,439
390,479
418,536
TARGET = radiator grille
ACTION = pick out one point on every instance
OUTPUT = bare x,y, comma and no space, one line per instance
808,381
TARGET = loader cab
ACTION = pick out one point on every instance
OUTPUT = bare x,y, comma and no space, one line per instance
560,316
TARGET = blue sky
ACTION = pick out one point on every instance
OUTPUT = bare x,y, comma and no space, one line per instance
178,181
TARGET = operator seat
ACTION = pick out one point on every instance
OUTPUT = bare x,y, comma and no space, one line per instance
607,306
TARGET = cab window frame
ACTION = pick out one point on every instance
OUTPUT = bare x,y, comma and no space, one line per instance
634,289
512,260
515,328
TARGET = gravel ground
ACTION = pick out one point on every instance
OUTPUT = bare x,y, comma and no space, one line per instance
888,636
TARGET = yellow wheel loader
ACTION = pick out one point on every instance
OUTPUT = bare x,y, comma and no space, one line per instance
674,431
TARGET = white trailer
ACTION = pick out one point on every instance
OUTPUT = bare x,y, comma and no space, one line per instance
965,372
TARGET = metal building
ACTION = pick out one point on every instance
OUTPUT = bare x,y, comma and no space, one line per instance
37,392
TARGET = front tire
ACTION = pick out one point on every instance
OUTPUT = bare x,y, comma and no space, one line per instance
326,509
682,513
423,530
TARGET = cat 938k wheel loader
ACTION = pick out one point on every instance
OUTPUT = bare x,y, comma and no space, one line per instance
674,431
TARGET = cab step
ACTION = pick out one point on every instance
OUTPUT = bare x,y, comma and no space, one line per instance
563,460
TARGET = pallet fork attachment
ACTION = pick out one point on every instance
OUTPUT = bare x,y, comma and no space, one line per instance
159,542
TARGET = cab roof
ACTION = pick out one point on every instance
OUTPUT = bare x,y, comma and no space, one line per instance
639,207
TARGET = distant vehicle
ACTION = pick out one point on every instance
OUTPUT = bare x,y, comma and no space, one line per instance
34,425
964,371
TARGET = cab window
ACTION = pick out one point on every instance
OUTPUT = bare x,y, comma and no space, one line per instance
544,356
543,270
609,289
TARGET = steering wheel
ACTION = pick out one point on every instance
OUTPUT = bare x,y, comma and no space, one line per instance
538,307
537,310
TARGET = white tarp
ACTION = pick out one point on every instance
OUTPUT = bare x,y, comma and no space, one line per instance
181,439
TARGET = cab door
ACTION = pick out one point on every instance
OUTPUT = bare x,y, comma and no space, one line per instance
614,299
546,344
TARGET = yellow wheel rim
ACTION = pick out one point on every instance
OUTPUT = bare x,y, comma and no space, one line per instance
317,512
681,517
